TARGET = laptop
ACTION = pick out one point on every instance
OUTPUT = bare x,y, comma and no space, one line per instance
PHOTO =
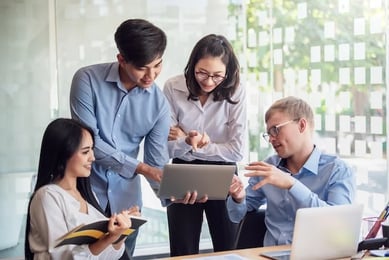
329,232
213,180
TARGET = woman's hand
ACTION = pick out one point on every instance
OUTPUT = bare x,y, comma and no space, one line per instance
175,133
118,223
197,140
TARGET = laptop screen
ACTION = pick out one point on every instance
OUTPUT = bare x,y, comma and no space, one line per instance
324,233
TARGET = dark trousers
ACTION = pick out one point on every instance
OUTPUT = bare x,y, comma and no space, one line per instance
185,223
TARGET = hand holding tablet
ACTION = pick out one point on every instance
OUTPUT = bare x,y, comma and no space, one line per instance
212,181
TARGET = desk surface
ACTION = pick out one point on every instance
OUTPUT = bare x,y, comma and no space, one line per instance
250,253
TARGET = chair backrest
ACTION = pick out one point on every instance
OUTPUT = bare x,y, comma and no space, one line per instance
252,230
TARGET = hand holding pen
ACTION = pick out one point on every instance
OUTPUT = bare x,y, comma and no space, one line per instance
193,137
196,139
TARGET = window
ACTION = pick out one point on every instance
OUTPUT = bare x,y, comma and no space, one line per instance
43,44
334,55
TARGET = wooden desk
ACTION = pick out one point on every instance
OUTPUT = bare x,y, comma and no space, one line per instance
250,253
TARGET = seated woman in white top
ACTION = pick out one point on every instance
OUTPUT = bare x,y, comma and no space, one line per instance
63,198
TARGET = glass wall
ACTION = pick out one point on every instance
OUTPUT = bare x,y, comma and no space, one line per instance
43,43
25,102
332,53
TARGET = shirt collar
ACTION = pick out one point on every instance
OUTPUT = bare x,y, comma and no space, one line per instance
113,76
181,87
312,164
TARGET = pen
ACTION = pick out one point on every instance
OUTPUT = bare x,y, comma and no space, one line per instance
384,214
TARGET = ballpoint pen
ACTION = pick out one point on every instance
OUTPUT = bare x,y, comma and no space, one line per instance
384,214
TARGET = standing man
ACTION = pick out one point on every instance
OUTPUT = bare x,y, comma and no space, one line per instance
298,176
123,106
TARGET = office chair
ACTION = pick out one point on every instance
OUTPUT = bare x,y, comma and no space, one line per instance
252,230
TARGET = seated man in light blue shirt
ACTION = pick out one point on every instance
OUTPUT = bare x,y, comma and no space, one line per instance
298,176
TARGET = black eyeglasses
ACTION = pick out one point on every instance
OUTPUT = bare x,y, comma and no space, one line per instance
275,130
202,76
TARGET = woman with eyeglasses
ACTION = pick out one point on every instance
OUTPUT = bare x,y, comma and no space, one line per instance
208,109
299,175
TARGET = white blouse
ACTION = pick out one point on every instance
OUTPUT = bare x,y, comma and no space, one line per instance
53,213
225,123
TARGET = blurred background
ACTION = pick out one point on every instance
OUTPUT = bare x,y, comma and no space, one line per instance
332,53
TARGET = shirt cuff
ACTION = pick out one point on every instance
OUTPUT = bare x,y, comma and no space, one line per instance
236,211
182,143
300,192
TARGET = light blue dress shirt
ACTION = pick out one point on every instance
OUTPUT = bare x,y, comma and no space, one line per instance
121,120
324,180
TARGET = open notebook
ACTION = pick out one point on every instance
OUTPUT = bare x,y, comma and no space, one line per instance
323,233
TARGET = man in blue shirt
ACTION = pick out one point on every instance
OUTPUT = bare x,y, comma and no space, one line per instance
123,106
298,176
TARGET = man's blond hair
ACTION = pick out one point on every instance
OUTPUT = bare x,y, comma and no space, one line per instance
295,107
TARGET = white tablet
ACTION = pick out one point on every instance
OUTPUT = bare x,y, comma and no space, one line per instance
212,180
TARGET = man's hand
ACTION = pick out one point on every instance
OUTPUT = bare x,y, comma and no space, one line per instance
237,191
149,172
271,175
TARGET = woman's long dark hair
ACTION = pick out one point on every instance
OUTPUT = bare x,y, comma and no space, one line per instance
60,141
214,45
